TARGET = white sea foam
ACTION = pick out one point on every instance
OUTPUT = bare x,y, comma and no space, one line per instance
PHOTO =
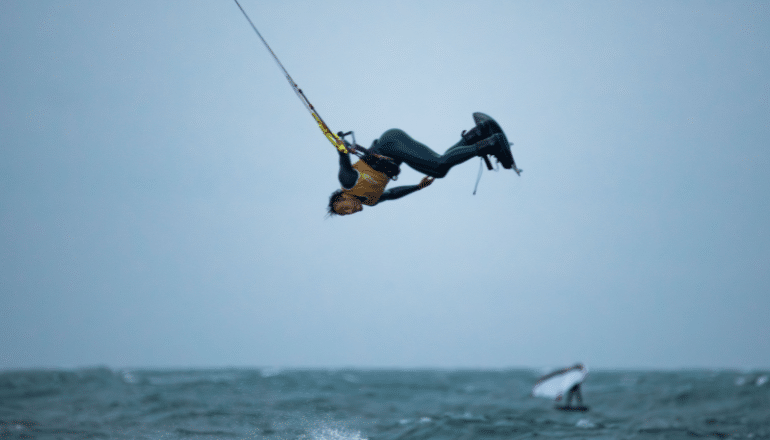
269,372
335,434
128,377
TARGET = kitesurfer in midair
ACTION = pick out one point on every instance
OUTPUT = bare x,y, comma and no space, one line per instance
363,183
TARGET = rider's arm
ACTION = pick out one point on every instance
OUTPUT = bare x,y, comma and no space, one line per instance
401,191
398,192
347,175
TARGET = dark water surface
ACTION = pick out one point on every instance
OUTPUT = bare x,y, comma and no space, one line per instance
376,404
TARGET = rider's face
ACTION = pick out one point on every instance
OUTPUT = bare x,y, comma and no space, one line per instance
347,204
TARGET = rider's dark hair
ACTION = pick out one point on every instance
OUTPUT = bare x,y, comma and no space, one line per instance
334,198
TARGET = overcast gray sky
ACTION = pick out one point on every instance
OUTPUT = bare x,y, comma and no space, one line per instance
163,191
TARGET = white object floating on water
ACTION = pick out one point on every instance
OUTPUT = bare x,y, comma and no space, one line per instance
425,420
761,380
585,423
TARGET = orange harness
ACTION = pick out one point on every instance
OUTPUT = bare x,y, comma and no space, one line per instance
370,184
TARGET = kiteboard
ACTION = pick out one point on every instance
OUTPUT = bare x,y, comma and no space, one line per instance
480,118
572,408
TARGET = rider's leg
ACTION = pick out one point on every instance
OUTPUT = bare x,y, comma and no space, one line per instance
399,146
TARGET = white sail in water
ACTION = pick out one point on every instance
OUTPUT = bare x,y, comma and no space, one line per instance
555,385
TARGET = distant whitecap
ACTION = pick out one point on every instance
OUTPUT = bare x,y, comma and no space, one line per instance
336,434
269,372
128,377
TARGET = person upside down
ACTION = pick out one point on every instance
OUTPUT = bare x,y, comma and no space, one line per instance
364,182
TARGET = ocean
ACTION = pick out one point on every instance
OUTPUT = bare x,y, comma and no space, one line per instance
350,404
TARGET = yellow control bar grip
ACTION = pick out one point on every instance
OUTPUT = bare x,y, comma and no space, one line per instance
333,138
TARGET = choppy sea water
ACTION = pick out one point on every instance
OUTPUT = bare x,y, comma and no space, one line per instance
376,404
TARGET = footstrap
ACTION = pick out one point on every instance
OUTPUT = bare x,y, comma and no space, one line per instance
489,164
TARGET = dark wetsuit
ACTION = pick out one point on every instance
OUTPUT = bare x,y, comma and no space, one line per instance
400,147
574,392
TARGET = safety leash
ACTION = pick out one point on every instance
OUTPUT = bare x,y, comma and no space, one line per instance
330,135
481,170
478,179
489,167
